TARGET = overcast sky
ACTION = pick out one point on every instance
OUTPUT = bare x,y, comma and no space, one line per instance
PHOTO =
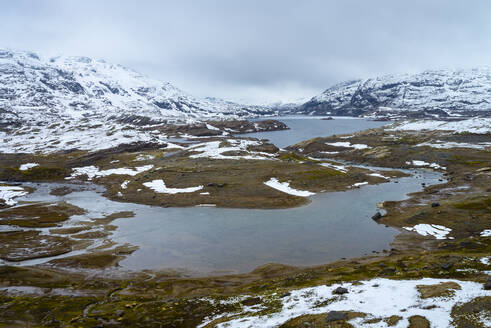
256,50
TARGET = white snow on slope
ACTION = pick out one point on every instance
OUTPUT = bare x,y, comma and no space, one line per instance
340,168
378,298
27,166
453,91
448,145
285,187
348,145
378,175
359,184
435,230
213,150
93,172
160,187
8,193
486,233
93,135
472,125
423,163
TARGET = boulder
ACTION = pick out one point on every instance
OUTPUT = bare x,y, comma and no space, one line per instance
377,216
340,291
336,316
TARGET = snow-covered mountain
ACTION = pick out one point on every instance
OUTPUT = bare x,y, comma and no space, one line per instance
33,88
431,93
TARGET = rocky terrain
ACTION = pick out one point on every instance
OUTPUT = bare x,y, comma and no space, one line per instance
436,93
435,275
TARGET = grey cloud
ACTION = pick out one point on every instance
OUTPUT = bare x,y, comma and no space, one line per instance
256,50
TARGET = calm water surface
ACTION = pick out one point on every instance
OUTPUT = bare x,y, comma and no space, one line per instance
207,240
306,127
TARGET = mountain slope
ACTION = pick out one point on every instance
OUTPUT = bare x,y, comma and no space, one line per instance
35,88
431,93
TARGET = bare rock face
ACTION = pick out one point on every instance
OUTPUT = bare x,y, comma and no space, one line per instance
432,93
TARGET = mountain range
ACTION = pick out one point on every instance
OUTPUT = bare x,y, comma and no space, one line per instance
437,93
33,88
36,89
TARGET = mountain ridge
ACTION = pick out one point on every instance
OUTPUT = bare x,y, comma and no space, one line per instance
33,88
433,93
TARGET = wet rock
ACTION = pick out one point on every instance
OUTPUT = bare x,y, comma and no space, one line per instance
336,316
377,216
436,204
446,266
340,291
285,295
487,284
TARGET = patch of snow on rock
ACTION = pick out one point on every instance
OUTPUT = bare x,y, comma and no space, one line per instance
473,125
347,145
213,150
93,172
423,163
27,166
486,233
448,145
378,175
285,187
160,187
435,230
8,193
340,168
124,185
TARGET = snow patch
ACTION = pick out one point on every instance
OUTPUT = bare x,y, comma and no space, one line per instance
27,166
423,163
124,185
340,168
473,125
348,145
8,193
378,298
160,187
143,157
448,145
213,150
93,172
378,175
285,187
485,233
435,230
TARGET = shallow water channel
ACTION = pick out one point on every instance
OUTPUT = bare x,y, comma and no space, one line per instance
207,240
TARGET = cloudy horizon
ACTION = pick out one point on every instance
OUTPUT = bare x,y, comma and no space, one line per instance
256,51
